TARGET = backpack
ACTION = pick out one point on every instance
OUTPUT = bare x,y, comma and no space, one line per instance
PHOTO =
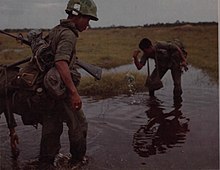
29,98
178,43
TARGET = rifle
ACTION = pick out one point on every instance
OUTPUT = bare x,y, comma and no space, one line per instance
93,70
19,37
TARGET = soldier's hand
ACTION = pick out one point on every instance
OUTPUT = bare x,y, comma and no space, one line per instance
184,65
135,53
75,101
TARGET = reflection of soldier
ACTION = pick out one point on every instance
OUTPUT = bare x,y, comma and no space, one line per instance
163,131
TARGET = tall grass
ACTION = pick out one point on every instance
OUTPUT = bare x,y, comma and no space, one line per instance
113,47
113,84
12,50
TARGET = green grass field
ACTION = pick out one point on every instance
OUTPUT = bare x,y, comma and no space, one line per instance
112,47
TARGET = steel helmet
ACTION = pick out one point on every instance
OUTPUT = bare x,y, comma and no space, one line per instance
83,7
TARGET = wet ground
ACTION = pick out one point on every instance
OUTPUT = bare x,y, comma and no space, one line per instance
140,133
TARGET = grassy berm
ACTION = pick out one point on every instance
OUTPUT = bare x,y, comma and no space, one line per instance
112,47
113,85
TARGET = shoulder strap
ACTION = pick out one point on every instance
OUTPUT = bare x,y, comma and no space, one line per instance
148,66
59,31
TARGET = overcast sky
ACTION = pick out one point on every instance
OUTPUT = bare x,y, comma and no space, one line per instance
46,13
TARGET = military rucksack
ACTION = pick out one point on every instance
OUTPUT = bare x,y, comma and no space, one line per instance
29,97
180,45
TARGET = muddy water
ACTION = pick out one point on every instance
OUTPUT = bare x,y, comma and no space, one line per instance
139,132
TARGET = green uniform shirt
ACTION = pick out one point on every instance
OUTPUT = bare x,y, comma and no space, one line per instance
63,41
164,54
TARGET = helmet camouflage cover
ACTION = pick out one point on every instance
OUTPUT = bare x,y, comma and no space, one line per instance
83,7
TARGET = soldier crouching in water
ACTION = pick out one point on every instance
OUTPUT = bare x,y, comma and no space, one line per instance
63,43
167,55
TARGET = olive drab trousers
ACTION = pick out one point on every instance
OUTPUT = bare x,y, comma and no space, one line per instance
52,128
176,73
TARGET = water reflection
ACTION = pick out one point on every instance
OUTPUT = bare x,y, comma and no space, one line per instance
162,131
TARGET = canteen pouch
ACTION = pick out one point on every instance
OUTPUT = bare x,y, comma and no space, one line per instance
54,84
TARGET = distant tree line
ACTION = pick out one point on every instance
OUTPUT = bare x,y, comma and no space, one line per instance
177,23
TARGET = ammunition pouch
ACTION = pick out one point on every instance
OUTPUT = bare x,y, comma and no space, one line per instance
27,77
54,84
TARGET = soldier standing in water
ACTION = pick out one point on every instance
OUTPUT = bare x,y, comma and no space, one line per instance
63,43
